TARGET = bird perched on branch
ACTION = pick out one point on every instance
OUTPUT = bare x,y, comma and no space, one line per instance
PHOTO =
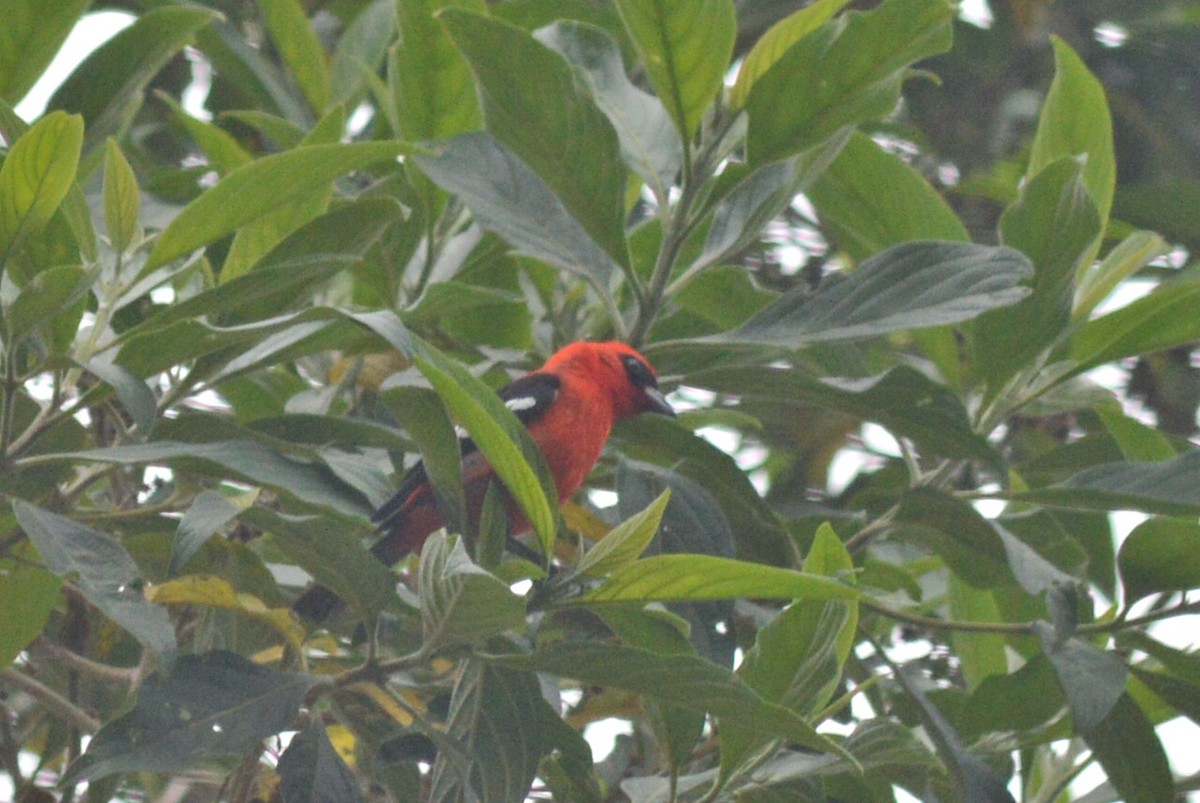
569,405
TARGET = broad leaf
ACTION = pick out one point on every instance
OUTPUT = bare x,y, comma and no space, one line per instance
312,771
106,575
128,62
28,594
1165,486
213,705
845,72
122,198
665,578
208,591
300,47
1158,321
507,196
649,143
1093,680
36,176
30,38
772,44
261,186
911,286
872,199
430,81
624,543
462,603
1075,121
536,106
209,512
681,679
685,48
1132,755
1160,555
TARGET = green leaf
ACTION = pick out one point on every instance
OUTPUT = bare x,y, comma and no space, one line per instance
872,199
1097,281
845,72
128,62
911,286
246,459
431,83
535,105
300,48
1137,441
105,574
333,554
135,395
36,176
122,198
32,33
982,655
1165,486
797,657
1158,321
772,44
760,197
222,150
501,438
508,197
28,594
255,189
311,770
685,48
902,399
209,512
626,542
45,296
1054,223
680,679
1160,555
216,704
1131,754
362,48
1074,121
649,144
667,578
1093,680
499,719
462,603
423,415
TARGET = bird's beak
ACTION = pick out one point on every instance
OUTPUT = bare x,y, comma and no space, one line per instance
656,402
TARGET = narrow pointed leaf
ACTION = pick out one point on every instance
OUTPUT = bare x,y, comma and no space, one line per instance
36,176
624,543
294,37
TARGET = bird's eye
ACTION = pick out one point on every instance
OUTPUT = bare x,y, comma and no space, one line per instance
639,373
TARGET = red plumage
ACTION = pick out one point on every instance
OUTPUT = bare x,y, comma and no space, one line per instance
570,405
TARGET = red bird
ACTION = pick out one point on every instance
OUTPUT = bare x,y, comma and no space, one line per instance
570,405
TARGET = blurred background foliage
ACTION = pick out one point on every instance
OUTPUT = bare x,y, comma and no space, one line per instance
897,509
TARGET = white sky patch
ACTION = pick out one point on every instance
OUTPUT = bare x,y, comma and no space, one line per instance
89,33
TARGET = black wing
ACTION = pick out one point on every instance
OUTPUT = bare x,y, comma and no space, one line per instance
528,397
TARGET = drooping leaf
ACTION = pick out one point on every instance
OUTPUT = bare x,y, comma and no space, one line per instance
208,591
209,512
1165,486
1092,679
261,186
461,602
649,143
1131,754
312,771
1160,554
981,654
216,704
532,98
845,72
106,575
911,286
507,196
685,47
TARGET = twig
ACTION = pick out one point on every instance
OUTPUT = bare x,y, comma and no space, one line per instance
125,675
53,700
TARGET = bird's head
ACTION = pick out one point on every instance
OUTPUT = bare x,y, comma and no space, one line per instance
620,370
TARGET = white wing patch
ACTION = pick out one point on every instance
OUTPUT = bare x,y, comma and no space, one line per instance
521,403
